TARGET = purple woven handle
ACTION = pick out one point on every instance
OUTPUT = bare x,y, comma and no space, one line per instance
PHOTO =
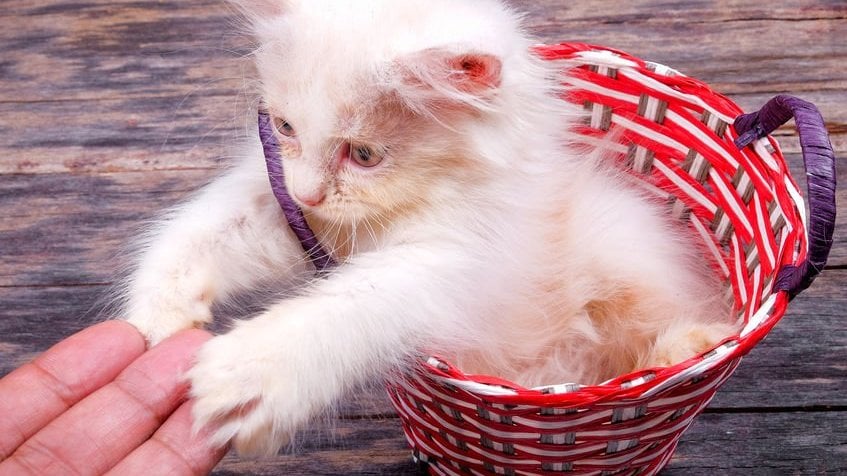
319,257
819,160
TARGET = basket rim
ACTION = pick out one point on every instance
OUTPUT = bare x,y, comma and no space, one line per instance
625,389
649,382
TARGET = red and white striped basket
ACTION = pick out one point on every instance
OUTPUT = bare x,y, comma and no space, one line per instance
727,180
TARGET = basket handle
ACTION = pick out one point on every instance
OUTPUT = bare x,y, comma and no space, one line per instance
819,161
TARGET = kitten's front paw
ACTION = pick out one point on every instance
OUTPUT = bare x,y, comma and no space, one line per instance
243,396
157,322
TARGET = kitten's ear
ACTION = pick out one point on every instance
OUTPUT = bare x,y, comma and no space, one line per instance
257,9
441,77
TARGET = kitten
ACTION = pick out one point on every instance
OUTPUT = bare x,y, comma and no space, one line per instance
429,151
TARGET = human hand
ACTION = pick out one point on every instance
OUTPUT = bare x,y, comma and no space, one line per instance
98,403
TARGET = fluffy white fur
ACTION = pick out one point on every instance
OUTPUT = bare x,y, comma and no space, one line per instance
481,236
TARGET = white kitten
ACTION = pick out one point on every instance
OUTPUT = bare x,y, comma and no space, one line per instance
428,149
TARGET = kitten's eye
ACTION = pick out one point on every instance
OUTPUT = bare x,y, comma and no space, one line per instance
365,156
283,127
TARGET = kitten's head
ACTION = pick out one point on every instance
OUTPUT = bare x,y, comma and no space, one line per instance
380,105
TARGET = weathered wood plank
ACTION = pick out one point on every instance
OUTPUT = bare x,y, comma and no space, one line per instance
734,56
763,444
81,50
73,229
133,134
32,319
68,228
195,131
140,74
802,363
555,12
337,447
746,443
168,132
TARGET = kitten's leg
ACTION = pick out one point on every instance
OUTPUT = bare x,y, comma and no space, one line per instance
226,238
267,376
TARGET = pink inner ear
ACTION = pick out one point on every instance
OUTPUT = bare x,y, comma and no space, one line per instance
469,72
479,72
441,77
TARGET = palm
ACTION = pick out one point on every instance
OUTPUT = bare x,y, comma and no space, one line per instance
97,402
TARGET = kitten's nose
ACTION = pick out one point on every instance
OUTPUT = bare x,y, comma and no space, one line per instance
312,198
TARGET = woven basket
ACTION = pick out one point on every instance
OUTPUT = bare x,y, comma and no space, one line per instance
726,179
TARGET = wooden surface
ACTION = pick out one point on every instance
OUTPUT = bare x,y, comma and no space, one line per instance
112,110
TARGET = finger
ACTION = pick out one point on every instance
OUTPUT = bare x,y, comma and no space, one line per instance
106,426
174,450
38,392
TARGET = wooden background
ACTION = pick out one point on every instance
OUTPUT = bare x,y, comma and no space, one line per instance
112,110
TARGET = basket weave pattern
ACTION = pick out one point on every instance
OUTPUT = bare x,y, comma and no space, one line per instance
676,136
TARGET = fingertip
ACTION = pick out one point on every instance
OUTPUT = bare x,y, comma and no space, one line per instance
114,341
112,331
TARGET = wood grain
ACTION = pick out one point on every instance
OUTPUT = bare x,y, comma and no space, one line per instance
97,50
762,444
75,228
733,443
138,84
801,364
337,447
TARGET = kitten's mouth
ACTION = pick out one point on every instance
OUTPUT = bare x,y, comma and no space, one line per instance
342,213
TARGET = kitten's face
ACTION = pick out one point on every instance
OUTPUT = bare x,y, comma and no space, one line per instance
366,155
369,134
353,150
